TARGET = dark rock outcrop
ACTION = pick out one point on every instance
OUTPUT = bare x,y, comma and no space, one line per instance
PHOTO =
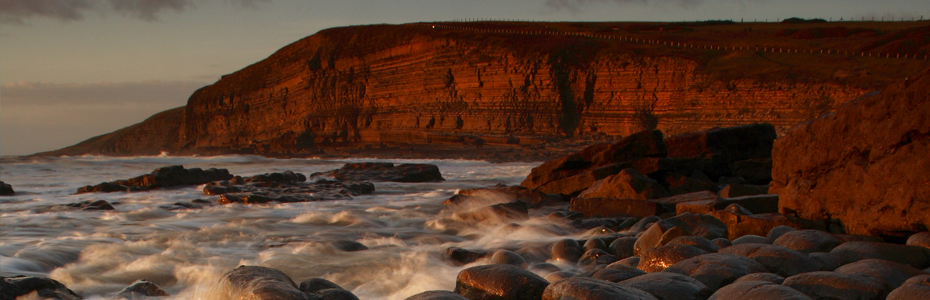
6,189
724,146
140,289
373,171
866,164
160,178
283,187
86,205
42,287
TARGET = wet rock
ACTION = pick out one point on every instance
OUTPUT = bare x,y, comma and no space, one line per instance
314,285
256,282
499,282
833,285
595,257
695,241
617,273
892,273
915,288
336,294
757,290
724,146
6,189
828,261
855,251
717,269
622,247
594,243
778,231
584,288
459,256
502,212
737,209
285,191
348,246
756,224
722,242
612,207
921,239
628,184
160,178
751,239
669,286
779,260
864,164
658,259
436,295
740,190
508,257
373,171
193,204
696,225
756,204
566,250
563,167
632,261
532,198
768,277
807,241
42,287
643,224
140,289
87,205
556,276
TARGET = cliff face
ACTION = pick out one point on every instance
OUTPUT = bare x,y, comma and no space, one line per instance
417,84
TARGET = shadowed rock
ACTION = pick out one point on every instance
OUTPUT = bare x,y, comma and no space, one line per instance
696,225
724,145
617,273
459,256
751,239
828,261
756,224
372,171
717,269
915,288
532,198
658,259
567,250
160,178
314,285
259,283
628,184
776,259
769,277
696,241
622,247
6,189
508,257
855,251
833,285
757,290
807,241
436,295
499,282
669,286
612,207
740,190
87,205
42,287
139,290
596,257
919,239
778,231
584,288
892,273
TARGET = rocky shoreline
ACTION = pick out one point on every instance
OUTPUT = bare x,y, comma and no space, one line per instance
694,216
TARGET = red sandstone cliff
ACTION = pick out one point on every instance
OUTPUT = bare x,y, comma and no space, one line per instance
416,83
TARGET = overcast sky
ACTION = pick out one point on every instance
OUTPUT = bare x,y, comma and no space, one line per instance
74,69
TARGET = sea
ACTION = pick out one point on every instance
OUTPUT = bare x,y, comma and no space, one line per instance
405,227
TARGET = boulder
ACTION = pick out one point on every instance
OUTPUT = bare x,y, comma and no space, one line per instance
657,259
6,189
584,288
892,273
374,171
751,239
284,187
864,164
563,167
833,285
696,241
777,259
260,283
436,295
596,257
915,288
336,294
632,261
578,183
160,178
647,143
532,198
459,256
42,287
807,241
86,205
679,184
139,290
757,290
314,285
556,276
696,225
501,212
724,146
768,277
595,243
756,224
850,252
778,231
508,257
921,239
669,286
757,204
737,209
617,273
628,184
613,207
722,242
566,250
499,282
828,261
622,247
717,269
654,165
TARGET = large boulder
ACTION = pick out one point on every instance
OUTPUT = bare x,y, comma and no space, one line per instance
809,240
497,282
43,288
259,283
724,146
892,273
628,184
865,164
850,252
584,288
777,259
717,269
563,167
375,171
578,183
666,230
657,259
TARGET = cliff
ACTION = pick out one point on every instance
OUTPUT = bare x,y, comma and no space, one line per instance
519,83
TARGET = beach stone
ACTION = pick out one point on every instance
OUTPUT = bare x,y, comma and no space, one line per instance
757,290
632,261
6,189
377,171
679,184
724,146
768,277
584,288
833,285
864,164
722,242
336,294
348,246
919,239
779,260
807,241
892,273
669,286
612,207
643,224
44,287
314,285
696,241
778,231
596,257
828,261
139,290
751,239
756,224
259,283
436,295
595,243
657,259
915,288
849,252
717,269
577,183
566,250
617,273
499,282
544,268
556,276
508,257
628,184
459,256
697,225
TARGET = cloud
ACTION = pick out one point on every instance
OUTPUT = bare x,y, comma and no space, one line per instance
147,9
174,93
575,5
15,12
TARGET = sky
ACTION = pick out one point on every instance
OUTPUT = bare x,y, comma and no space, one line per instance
74,69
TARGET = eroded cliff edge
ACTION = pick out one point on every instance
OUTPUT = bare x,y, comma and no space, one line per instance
419,84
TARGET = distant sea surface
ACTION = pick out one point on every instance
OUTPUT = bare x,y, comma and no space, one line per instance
97,253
